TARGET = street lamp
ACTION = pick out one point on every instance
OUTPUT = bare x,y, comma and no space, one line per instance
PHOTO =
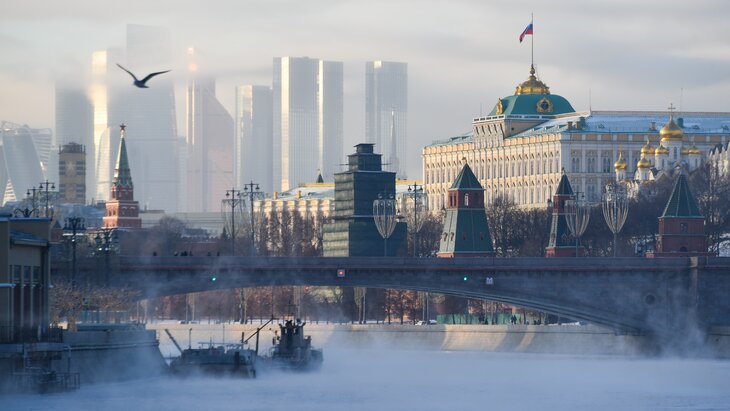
577,212
104,241
30,203
252,193
74,224
44,188
419,204
615,210
233,200
384,214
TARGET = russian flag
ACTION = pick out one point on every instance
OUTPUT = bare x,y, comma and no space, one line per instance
528,30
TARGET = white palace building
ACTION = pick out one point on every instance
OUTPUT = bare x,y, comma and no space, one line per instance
520,148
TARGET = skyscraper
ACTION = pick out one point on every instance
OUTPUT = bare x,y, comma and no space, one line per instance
75,124
107,113
307,101
209,133
386,112
330,103
150,112
253,148
20,166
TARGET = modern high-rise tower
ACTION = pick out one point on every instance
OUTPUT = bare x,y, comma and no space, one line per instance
308,116
107,113
209,133
253,148
386,112
150,112
75,124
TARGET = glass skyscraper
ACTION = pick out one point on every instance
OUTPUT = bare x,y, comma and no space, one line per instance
386,112
253,146
307,119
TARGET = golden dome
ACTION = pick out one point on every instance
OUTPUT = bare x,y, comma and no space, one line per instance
620,164
647,148
684,151
693,150
661,150
671,131
643,163
532,85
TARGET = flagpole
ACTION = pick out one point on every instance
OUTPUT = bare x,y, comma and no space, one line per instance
532,41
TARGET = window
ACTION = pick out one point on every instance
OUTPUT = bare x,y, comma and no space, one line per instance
466,200
606,164
575,164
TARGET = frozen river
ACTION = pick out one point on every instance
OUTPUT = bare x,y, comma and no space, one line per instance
425,380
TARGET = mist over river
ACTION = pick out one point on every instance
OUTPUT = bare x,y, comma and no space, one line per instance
402,379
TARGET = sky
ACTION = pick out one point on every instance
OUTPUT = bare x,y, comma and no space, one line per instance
462,55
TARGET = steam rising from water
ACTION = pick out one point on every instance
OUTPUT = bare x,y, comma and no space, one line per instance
424,380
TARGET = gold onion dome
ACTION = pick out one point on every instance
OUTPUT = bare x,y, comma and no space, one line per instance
661,150
532,85
684,151
643,163
693,150
671,131
620,164
647,148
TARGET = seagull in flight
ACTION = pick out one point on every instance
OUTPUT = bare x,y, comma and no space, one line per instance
141,83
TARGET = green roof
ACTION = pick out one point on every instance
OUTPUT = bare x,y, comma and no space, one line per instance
122,174
681,203
466,180
527,104
564,187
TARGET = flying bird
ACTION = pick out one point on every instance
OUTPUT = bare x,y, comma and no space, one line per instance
141,83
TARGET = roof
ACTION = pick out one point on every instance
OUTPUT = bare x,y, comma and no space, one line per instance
633,122
528,104
460,139
466,180
564,187
681,203
122,174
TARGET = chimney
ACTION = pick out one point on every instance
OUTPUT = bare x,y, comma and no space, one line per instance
570,125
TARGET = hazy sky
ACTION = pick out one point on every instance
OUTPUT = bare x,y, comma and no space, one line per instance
632,55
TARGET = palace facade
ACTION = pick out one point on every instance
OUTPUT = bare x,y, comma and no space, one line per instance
520,148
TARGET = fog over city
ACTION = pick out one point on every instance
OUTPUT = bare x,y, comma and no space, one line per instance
461,55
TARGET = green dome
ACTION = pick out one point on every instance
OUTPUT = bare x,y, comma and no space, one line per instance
532,104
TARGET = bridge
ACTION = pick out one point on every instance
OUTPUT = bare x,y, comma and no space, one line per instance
662,296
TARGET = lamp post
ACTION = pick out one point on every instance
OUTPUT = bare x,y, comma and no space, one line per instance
384,214
104,240
418,197
418,217
252,191
30,208
577,212
615,204
74,224
233,199
44,188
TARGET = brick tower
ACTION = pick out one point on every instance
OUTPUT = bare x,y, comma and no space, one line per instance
562,243
681,226
122,211
466,229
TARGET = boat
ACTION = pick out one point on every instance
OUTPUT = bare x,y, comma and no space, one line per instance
218,359
291,349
